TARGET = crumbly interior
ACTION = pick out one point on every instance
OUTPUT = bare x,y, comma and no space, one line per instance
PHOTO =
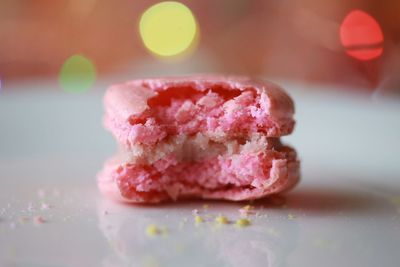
212,112
219,114
250,169
194,148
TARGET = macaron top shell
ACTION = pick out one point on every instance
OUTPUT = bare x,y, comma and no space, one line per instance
148,111
130,98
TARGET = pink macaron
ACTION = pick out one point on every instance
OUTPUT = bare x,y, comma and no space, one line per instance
210,137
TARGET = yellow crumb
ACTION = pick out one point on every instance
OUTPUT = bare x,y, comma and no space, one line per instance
395,200
23,220
242,222
291,216
221,219
248,207
198,219
152,230
205,206
150,261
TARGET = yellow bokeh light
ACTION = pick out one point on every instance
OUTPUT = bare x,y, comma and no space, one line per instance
168,28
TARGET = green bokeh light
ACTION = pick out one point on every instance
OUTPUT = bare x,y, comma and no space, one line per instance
77,74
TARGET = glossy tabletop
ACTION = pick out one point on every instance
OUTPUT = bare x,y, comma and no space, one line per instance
345,211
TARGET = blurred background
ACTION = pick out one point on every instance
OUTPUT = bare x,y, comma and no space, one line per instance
338,59
355,43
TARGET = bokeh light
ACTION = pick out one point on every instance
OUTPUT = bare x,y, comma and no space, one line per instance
168,28
77,74
361,36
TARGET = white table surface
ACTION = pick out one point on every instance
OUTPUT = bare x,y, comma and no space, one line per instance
345,211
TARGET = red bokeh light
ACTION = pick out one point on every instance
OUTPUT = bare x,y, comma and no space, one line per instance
361,36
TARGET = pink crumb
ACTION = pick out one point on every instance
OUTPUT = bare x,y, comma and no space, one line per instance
245,212
45,206
38,220
195,212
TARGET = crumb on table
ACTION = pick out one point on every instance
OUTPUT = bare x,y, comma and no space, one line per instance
242,222
246,210
45,206
152,230
38,220
221,219
198,219
195,212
